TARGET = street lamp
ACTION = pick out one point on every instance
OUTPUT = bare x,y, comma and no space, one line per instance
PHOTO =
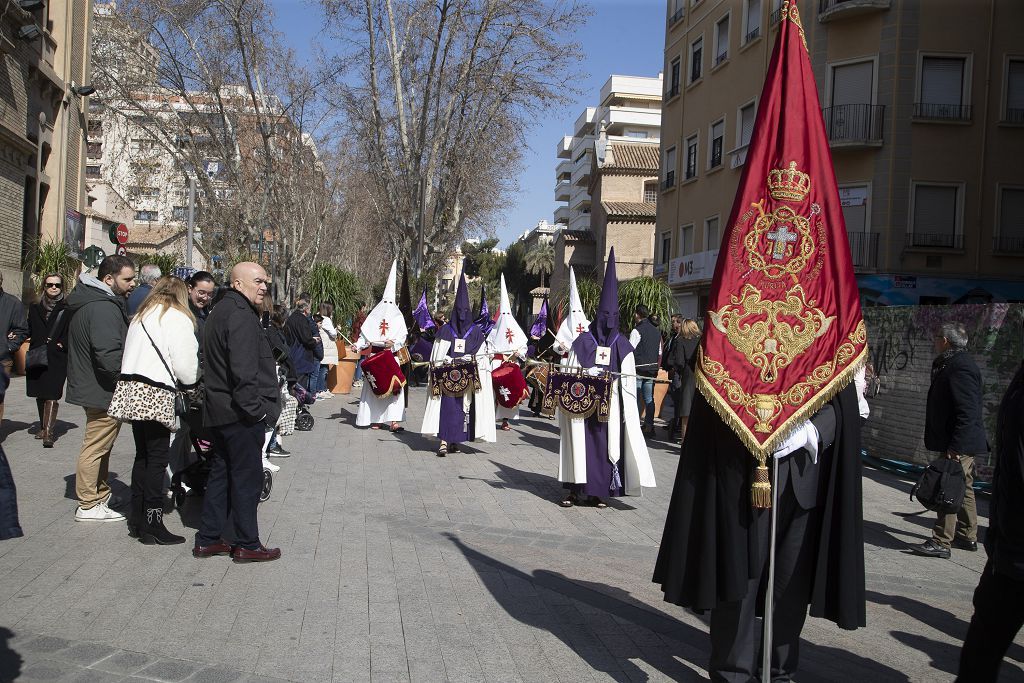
81,90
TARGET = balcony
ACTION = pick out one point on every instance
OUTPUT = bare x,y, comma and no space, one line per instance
775,17
562,215
619,117
580,221
585,123
829,10
581,170
670,93
945,240
753,35
738,156
864,249
669,181
564,170
562,191
1008,244
579,201
942,112
565,147
854,125
1014,116
677,17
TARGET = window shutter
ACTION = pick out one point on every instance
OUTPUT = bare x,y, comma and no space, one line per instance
753,16
942,80
746,124
1011,213
855,218
722,38
851,83
934,210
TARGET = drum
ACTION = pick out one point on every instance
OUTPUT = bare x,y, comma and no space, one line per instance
381,370
403,356
509,385
537,376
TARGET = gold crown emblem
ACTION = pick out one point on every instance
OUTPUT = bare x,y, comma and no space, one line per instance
789,183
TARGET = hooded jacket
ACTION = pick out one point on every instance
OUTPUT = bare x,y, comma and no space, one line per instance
99,323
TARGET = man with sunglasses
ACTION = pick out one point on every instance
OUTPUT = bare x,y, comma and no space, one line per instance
15,328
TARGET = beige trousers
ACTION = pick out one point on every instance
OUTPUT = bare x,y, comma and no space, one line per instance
964,522
94,460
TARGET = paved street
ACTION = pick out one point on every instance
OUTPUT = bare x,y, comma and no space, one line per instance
399,566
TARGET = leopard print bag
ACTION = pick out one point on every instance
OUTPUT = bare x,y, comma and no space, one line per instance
135,401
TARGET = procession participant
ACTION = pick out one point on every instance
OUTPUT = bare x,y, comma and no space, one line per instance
423,339
506,341
383,332
759,380
602,453
575,322
460,407
542,348
483,316
405,306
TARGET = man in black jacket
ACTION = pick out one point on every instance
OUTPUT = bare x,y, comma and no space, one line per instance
646,341
15,327
299,330
953,427
241,399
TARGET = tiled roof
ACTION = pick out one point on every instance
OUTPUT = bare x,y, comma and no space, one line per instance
631,209
577,235
634,156
157,235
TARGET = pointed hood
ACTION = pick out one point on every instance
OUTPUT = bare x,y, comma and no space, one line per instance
422,316
405,300
575,321
606,322
461,319
506,336
386,321
483,316
540,323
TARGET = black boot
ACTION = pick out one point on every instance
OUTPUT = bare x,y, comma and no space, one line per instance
136,517
154,530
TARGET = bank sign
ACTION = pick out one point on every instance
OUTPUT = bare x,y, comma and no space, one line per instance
697,267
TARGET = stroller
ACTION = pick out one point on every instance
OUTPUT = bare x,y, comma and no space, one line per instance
190,480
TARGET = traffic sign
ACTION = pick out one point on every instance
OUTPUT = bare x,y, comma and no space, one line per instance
122,234
121,251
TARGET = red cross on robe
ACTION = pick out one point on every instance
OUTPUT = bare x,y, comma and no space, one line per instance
383,327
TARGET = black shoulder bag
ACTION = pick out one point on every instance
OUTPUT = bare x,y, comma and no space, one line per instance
38,357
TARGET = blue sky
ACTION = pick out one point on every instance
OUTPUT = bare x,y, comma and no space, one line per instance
622,37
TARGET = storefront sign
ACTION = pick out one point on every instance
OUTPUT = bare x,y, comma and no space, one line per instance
693,268
853,196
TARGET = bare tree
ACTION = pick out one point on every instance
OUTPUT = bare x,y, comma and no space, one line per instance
443,90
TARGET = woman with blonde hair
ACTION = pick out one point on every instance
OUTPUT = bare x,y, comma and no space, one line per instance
161,358
679,360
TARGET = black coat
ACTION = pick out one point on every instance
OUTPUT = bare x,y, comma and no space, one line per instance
48,383
953,419
709,549
12,319
1004,541
240,376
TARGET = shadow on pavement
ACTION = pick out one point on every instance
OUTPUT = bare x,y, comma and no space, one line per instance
121,493
11,426
653,636
10,660
881,535
545,487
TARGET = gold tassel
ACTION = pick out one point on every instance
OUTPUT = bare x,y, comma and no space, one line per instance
761,490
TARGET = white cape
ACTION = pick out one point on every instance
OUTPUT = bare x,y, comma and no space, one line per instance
483,422
623,428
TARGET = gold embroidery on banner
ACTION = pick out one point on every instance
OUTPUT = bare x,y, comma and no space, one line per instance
789,11
765,408
770,342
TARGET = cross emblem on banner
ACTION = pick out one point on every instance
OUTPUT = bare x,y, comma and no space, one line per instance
505,393
383,327
509,335
780,237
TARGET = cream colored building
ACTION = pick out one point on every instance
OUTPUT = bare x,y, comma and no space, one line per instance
924,109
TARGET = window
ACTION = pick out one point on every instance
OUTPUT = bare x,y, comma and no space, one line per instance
686,240
854,202
696,59
1015,91
712,234
751,20
722,40
146,216
651,191
675,10
853,83
180,213
717,137
776,15
942,89
745,124
691,157
94,150
666,247
92,171
95,128
1011,219
936,216
669,169
638,134
148,192
675,71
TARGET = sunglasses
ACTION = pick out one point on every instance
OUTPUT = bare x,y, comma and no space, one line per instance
56,285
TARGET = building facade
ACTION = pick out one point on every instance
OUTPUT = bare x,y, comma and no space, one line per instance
925,120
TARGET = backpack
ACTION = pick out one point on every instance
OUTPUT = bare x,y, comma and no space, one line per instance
942,486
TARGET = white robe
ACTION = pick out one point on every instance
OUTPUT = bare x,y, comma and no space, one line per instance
483,422
623,428
374,409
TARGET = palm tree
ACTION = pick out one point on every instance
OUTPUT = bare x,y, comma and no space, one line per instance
541,260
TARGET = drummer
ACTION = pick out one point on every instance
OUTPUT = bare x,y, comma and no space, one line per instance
458,411
383,331
505,343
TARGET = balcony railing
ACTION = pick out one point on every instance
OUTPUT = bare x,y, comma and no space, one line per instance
776,16
669,181
1014,116
942,112
1008,244
854,123
754,33
671,92
716,152
676,17
945,240
827,9
721,58
864,249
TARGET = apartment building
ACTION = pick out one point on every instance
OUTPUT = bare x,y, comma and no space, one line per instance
925,119
628,114
46,50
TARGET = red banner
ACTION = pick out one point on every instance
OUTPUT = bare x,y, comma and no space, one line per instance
784,330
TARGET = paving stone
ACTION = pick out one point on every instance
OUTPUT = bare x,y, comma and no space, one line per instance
124,662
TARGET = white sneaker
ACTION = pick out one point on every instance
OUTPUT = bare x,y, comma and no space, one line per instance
267,465
98,513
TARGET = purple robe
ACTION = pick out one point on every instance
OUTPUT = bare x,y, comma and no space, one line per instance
452,426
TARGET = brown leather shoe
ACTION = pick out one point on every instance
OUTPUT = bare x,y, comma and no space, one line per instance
222,548
261,554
